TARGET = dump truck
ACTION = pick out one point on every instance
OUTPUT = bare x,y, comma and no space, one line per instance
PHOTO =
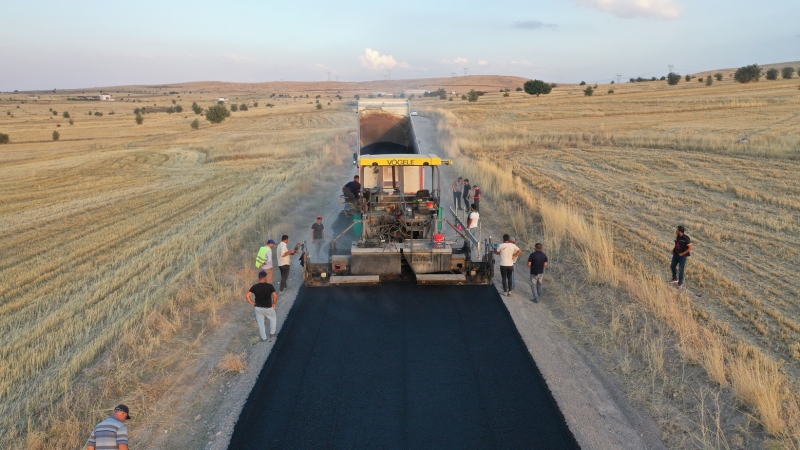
398,223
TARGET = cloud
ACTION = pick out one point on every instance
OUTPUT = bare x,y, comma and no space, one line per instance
533,25
374,60
482,62
458,60
521,62
665,9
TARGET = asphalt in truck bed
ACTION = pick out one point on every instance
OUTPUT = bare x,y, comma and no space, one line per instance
400,366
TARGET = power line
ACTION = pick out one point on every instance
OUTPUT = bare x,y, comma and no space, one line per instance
465,70
619,77
329,75
670,67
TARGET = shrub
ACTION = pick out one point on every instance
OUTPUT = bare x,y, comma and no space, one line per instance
58,125
505,94
318,96
688,77
463,97
537,87
270,105
234,107
195,124
137,111
243,107
709,80
518,89
553,85
357,96
71,121
196,108
139,119
56,135
787,73
98,114
673,78
319,105
718,76
173,101
747,74
65,115
4,138
583,83
588,91
662,78
178,108
170,110
772,74
610,91
255,104
217,113
220,102
472,95
55,113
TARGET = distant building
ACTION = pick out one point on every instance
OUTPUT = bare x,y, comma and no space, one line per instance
32,96
222,99
106,97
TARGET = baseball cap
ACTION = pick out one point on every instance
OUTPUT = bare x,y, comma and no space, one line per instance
124,409
319,217
262,274
512,239
270,242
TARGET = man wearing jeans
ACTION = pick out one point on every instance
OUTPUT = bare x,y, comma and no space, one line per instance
681,251
284,260
537,261
458,188
264,298
507,251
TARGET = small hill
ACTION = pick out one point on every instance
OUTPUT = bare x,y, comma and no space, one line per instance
764,67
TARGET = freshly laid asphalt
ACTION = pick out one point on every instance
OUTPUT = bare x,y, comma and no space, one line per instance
400,366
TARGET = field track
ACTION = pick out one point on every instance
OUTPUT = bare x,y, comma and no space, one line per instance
400,366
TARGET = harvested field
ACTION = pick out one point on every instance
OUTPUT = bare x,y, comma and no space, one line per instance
609,178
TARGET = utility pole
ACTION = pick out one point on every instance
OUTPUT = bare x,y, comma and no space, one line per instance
619,77
329,75
465,70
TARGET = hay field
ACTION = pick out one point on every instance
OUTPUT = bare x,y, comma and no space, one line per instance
603,181
102,230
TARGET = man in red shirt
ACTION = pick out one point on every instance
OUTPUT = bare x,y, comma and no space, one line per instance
476,197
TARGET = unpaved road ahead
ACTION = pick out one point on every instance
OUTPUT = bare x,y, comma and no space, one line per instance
400,366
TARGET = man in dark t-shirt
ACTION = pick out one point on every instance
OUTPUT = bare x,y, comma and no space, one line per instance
354,186
537,261
681,251
263,297
317,234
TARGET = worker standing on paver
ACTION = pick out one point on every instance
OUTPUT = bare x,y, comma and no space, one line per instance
355,187
507,251
264,260
285,261
458,189
474,216
537,261
681,251
263,297
317,235
111,433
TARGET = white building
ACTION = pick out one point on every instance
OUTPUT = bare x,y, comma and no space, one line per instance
222,99
106,97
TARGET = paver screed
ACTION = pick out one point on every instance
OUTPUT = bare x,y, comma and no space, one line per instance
400,366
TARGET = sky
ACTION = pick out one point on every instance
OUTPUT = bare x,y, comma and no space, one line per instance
47,45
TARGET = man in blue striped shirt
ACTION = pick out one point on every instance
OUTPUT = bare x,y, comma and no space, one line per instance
112,432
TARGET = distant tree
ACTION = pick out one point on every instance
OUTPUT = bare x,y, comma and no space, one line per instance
662,78
610,91
518,89
718,76
612,81
55,113
472,95
234,107
583,83
71,121
588,91
318,96
536,87
178,108
220,102
243,107
787,73
772,74
196,108
171,110
463,97
701,79
505,94
4,138
255,104
747,74
56,135
709,80
270,105
688,77
319,105
139,119
98,114
673,78
357,96
217,113
173,101
553,85
65,115
195,124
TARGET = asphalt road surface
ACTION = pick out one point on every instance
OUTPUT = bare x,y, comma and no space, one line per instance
400,366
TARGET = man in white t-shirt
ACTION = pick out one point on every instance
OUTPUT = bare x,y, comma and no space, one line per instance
507,251
284,260
472,222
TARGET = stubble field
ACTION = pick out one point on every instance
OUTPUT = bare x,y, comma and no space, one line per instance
603,181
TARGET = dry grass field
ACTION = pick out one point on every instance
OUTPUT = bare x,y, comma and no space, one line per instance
603,181
110,238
